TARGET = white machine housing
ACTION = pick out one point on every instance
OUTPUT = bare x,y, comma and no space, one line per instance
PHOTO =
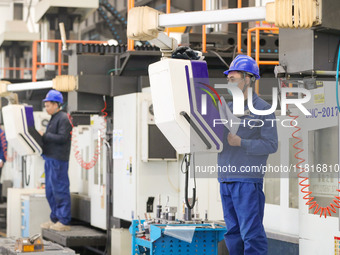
175,89
20,129
135,180
90,183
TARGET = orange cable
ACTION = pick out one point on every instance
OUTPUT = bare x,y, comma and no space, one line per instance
88,165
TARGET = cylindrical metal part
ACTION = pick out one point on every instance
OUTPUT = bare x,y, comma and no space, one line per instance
171,217
158,211
188,214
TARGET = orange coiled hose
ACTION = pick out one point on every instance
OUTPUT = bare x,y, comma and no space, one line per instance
3,143
88,165
304,182
5,147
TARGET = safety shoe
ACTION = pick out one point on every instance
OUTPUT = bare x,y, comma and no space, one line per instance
60,227
47,224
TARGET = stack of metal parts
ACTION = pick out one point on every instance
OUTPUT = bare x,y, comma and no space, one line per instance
7,247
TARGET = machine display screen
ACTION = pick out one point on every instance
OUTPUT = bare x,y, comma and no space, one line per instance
30,125
29,116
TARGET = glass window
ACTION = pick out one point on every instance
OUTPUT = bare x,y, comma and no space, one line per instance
293,175
323,157
18,11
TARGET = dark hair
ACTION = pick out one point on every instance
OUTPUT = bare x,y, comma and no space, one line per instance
59,105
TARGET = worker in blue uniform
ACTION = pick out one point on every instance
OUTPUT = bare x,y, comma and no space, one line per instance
241,188
56,151
3,153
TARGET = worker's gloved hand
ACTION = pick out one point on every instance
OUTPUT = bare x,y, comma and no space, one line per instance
184,52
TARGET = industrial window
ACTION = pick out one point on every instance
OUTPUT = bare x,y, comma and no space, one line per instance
293,177
18,9
272,181
323,155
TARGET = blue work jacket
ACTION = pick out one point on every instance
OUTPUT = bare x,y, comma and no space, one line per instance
244,163
3,145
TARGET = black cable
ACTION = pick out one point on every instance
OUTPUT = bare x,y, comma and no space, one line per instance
219,56
24,169
234,53
186,159
193,166
183,172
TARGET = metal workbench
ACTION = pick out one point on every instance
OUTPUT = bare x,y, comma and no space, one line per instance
204,241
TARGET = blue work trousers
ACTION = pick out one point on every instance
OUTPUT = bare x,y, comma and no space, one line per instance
243,209
58,190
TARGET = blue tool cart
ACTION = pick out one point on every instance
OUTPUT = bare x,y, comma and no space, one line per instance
204,241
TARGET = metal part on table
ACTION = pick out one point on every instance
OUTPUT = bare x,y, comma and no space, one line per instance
32,244
171,213
159,208
7,248
77,236
159,243
140,232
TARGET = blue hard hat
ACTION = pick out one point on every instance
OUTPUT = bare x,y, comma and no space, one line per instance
54,96
244,63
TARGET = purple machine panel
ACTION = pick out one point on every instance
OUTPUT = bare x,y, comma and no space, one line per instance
199,88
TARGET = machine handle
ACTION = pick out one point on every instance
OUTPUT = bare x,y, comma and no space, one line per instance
193,125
